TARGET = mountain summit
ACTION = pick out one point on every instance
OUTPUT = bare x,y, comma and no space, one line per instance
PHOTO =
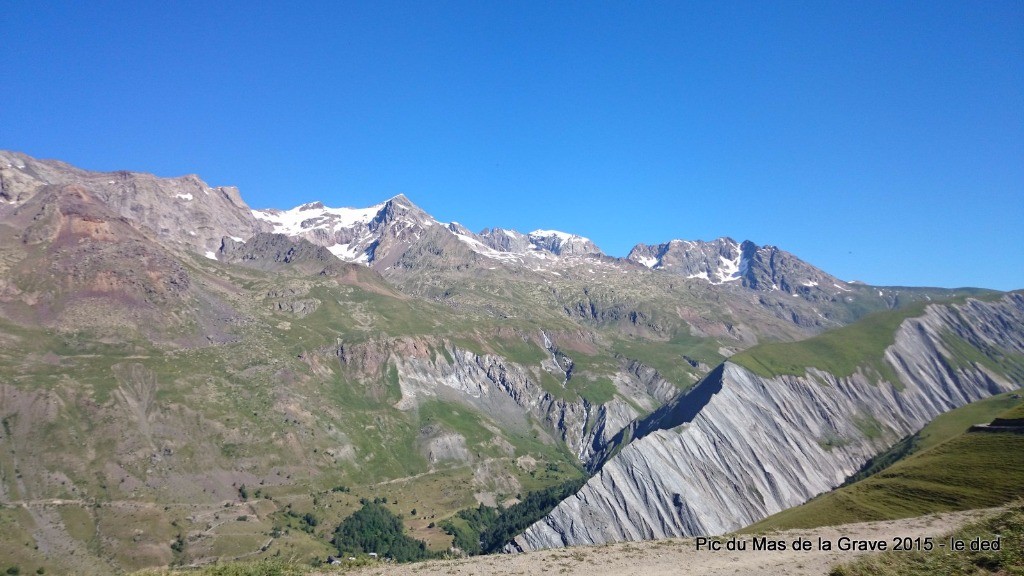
381,233
764,268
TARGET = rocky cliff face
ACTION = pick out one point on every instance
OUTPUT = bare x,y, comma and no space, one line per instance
739,447
561,243
717,261
510,392
181,212
762,268
267,251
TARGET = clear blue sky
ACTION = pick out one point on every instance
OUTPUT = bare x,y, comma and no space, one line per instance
881,141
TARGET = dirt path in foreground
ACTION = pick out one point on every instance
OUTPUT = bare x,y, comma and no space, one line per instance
679,557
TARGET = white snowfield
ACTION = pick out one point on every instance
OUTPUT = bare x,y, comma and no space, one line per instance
563,236
305,217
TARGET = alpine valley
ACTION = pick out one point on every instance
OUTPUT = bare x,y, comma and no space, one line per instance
184,379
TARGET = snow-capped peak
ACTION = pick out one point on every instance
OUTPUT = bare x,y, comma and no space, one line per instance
563,236
315,215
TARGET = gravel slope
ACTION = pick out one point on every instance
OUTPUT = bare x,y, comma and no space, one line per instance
678,557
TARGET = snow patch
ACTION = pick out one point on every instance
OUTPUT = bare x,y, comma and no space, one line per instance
485,250
841,288
315,215
563,236
648,261
186,197
209,254
350,252
729,269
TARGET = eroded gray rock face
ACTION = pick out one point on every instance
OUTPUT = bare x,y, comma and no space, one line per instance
438,445
434,369
740,447
491,383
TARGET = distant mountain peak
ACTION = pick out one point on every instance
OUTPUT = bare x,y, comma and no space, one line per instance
763,268
180,212
563,243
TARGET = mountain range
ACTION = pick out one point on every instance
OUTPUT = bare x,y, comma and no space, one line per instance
168,352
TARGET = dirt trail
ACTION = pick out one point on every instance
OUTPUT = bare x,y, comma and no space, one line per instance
678,557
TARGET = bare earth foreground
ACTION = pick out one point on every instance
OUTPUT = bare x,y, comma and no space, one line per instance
679,557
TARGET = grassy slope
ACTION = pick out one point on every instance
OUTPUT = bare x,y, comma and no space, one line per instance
861,346
969,470
1013,414
942,428
840,351
232,412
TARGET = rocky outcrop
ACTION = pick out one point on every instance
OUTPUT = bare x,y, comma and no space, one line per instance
505,240
510,393
739,447
562,243
178,212
490,383
717,261
279,252
438,445
761,268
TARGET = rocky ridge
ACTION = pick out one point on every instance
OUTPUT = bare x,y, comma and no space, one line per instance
739,446
761,268
378,235
182,212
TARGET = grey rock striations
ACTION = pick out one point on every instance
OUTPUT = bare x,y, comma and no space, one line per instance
507,391
740,447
